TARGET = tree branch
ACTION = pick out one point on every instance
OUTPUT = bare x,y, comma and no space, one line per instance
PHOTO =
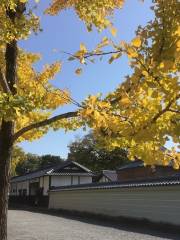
93,54
44,123
159,114
4,83
87,55
174,110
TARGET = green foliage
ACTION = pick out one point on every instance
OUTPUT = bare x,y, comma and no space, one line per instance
18,157
32,162
86,152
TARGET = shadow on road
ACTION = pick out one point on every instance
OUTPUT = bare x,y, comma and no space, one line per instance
126,224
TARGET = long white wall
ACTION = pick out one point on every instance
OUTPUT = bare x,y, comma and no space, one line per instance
158,204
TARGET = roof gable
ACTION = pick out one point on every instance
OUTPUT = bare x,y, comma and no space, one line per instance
109,174
70,166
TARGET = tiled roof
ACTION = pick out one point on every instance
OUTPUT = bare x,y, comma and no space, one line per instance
56,170
111,175
71,174
170,181
31,175
134,164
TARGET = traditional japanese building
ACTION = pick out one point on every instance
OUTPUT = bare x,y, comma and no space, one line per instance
34,186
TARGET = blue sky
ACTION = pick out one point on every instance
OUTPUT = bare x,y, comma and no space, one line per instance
65,32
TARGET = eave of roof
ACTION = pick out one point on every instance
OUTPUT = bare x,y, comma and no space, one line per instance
134,164
70,174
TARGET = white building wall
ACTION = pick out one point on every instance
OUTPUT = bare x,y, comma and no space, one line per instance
57,181
75,180
84,180
46,185
158,204
41,182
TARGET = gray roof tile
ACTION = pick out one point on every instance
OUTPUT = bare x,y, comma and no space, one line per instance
170,181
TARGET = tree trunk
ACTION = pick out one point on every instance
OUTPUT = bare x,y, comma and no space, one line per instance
5,157
6,139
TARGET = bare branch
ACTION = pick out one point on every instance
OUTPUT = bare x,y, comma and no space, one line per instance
93,54
44,123
4,83
87,55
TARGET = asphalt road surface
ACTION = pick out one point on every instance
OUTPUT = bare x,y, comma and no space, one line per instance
27,225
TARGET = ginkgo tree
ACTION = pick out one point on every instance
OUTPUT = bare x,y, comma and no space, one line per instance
143,113
140,115
27,97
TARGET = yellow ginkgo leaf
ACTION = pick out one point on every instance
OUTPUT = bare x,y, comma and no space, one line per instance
132,53
78,71
136,42
114,56
83,48
125,101
113,31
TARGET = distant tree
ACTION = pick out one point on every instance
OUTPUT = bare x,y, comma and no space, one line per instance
18,157
86,152
49,160
34,162
31,163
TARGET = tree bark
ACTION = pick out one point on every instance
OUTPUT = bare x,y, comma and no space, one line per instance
5,157
6,139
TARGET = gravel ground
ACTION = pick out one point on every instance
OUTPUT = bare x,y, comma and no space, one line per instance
27,225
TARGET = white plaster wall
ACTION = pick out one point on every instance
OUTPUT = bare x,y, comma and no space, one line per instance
75,180
41,182
46,185
85,180
158,204
57,181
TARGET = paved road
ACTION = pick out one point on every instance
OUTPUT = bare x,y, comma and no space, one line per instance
26,225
